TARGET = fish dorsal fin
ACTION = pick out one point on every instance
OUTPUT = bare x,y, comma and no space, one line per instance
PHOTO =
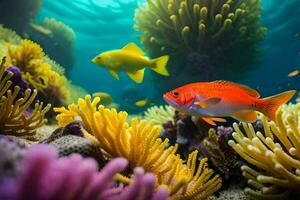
132,47
208,102
114,74
137,76
245,88
247,116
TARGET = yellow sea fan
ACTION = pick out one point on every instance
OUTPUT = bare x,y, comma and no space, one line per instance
160,114
277,153
139,142
22,54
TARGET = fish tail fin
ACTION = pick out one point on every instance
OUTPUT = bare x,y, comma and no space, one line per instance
159,65
271,104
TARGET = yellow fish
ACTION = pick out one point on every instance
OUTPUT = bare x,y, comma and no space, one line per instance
293,73
106,99
141,103
132,60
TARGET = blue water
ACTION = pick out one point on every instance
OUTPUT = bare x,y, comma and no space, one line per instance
102,25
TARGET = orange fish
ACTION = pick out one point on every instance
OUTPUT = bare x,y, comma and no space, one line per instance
212,100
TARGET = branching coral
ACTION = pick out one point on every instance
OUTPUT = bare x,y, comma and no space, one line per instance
160,114
74,178
138,142
220,153
277,153
37,70
14,120
204,38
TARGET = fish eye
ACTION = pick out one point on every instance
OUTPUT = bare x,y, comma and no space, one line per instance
175,94
98,58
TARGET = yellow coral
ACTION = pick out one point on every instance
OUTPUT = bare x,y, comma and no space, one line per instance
277,152
24,53
9,36
13,120
160,114
138,142
37,69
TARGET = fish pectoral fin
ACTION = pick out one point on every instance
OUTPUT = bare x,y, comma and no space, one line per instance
137,76
132,47
208,102
247,116
114,74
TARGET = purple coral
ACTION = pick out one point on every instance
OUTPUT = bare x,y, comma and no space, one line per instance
45,176
17,79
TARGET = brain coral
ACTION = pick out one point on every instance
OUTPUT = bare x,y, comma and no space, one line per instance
203,37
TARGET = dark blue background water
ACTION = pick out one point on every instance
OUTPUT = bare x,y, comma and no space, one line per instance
102,25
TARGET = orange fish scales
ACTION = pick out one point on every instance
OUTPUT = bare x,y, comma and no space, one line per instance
211,100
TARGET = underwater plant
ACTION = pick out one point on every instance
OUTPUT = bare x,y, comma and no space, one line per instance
139,142
17,14
36,69
275,153
15,118
57,40
205,39
160,114
8,35
75,178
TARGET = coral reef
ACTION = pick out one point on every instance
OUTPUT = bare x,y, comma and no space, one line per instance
138,142
231,193
9,36
74,178
220,153
203,38
184,132
211,143
275,153
17,14
160,114
17,80
15,118
69,139
11,154
30,58
57,42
